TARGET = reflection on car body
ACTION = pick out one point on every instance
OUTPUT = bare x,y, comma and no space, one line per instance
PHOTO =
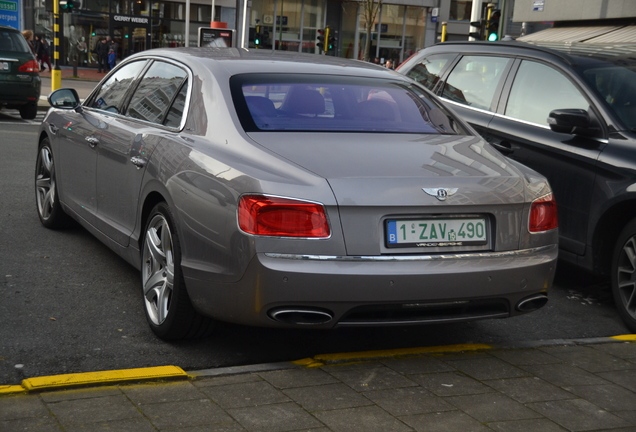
276,189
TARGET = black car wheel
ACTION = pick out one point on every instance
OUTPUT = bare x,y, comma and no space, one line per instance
168,308
49,208
624,275
28,111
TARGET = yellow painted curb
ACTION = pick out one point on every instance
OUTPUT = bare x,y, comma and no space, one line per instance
331,358
11,389
631,337
107,377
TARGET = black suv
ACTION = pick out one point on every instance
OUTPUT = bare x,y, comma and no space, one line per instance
569,113
19,74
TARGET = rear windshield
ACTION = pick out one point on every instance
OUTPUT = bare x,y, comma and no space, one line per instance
13,42
320,103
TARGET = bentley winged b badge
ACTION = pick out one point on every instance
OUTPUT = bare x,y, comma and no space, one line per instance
440,193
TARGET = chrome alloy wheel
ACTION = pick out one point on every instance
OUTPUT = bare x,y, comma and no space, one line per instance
45,183
626,278
158,276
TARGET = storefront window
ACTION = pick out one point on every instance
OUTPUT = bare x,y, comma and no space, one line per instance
312,21
348,31
460,10
415,30
391,33
373,46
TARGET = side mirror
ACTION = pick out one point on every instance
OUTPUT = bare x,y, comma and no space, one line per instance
66,98
572,121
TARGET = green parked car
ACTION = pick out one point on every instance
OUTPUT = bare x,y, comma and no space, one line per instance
19,74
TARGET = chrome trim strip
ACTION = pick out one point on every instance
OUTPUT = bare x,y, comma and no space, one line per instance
437,320
385,258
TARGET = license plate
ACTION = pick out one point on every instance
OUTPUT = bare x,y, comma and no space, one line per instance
436,232
4,66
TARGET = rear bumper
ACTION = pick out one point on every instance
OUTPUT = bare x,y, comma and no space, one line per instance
382,290
17,92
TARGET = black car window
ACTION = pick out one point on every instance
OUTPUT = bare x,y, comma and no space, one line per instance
427,71
175,114
13,42
113,91
156,91
539,89
290,102
474,80
616,84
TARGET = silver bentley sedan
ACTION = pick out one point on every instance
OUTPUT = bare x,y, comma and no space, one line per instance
290,190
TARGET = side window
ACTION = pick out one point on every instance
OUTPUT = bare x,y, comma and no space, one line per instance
113,91
155,92
427,71
173,119
539,89
474,80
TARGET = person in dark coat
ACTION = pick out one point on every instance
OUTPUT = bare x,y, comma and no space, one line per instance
101,50
42,49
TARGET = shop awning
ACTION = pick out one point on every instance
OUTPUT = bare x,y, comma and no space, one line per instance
592,34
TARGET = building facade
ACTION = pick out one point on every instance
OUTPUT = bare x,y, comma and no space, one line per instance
400,28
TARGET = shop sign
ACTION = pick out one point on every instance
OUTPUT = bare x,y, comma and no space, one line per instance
10,13
212,37
127,19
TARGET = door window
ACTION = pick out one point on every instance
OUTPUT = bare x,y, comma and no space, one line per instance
474,80
539,89
113,92
427,71
155,92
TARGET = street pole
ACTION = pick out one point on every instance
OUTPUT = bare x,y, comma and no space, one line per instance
56,73
187,24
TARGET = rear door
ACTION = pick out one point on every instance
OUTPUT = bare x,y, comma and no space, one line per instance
473,86
569,162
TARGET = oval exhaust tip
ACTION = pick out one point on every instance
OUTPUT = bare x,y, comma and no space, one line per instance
301,316
532,303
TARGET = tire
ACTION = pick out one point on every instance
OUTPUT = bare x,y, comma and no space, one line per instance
46,194
168,308
624,275
28,111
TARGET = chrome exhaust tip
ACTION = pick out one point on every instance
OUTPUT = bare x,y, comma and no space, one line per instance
301,316
532,303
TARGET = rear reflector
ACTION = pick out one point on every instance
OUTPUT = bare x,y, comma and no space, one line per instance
282,217
543,214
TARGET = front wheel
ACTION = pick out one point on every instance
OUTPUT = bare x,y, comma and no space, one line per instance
624,275
168,308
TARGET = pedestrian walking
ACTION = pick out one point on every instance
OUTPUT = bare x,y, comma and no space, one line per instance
102,55
112,58
28,35
43,48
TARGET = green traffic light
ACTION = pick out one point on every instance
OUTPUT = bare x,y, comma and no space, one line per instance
492,37
257,41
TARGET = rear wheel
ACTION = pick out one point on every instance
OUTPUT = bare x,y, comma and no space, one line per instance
168,308
28,111
624,275
46,196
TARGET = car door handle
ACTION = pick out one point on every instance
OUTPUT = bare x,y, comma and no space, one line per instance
504,147
139,162
53,128
92,141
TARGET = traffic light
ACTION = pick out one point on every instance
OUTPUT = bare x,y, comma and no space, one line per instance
68,5
332,40
321,39
493,26
479,34
257,36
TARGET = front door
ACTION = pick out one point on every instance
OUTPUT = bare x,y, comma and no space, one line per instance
130,38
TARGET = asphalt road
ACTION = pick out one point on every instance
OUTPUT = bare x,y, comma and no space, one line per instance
68,304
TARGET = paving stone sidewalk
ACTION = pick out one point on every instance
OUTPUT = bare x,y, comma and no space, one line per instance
561,387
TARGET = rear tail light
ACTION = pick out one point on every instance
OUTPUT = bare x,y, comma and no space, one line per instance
30,66
282,217
543,214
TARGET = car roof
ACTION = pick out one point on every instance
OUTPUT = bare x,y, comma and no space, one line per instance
571,54
7,28
239,60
